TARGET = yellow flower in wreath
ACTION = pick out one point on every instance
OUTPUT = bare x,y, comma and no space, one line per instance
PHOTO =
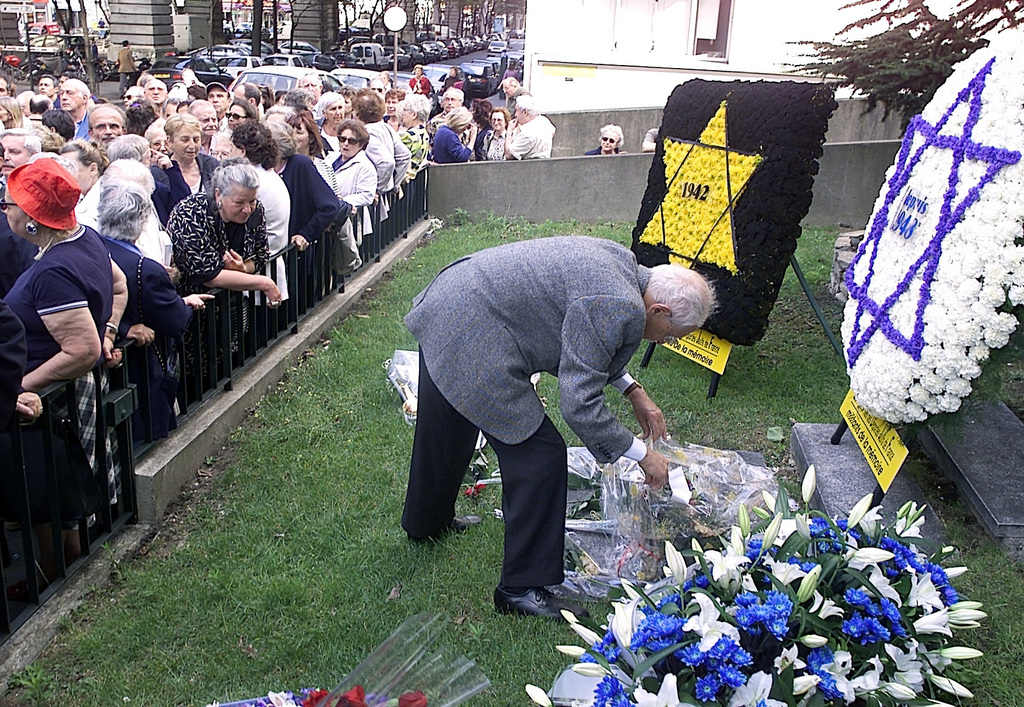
703,181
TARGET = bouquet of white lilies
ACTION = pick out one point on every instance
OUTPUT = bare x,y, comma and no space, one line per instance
794,610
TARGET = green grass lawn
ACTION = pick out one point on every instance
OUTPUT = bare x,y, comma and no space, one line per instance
290,565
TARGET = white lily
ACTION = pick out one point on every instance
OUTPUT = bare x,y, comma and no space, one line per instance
960,653
937,622
961,605
538,695
802,528
743,520
954,572
965,618
864,557
881,583
590,670
625,622
825,608
707,624
808,485
898,691
736,539
785,572
769,500
676,562
668,695
574,652
909,526
869,523
725,567
923,593
950,686
858,511
870,680
908,667
588,636
804,683
755,693
813,640
630,590
771,532
280,699
789,656
808,585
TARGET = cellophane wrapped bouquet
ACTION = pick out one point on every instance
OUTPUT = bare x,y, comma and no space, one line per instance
406,670
793,610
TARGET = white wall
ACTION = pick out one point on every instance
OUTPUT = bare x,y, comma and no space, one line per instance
585,54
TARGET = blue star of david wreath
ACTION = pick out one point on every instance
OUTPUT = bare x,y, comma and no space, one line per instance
963,148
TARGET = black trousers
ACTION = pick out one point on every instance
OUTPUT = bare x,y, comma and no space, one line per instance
534,482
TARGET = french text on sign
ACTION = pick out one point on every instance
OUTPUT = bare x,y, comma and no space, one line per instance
881,445
704,348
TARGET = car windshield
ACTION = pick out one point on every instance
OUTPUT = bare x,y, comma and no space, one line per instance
473,69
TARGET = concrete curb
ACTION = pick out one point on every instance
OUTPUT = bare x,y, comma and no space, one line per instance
165,470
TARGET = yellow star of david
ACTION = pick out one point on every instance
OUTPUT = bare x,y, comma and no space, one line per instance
703,180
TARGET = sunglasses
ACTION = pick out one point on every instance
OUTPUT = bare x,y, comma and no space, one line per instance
607,139
379,90
236,116
349,140
5,204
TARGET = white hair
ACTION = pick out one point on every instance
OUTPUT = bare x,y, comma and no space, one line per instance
689,296
129,170
528,104
33,144
456,93
128,147
613,131
124,209
77,86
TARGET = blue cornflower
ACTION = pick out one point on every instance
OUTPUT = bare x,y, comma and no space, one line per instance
608,647
816,661
857,598
747,599
949,596
609,693
754,546
707,688
658,631
702,581
691,655
732,677
665,601
865,629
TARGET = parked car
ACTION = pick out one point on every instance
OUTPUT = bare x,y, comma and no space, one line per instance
297,47
219,51
245,46
234,65
453,48
284,78
169,70
298,60
355,78
329,61
480,80
437,73
434,51
497,47
404,60
369,55
415,52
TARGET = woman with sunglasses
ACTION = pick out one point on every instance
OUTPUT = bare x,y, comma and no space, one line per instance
239,112
611,141
356,179
190,171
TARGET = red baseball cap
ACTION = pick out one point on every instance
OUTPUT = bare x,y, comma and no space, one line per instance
46,192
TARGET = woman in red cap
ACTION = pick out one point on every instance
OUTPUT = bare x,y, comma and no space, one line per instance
70,302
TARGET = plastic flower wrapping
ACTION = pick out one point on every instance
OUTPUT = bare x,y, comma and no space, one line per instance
792,610
941,265
406,670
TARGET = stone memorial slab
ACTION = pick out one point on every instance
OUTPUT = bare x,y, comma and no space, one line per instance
844,477
984,456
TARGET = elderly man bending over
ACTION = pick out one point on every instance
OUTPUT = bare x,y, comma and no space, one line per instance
576,308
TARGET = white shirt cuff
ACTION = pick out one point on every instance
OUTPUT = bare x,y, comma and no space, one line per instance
637,451
620,384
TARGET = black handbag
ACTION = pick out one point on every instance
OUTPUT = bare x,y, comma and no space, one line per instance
79,491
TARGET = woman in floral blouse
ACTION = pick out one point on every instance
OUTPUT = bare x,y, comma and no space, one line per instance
220,239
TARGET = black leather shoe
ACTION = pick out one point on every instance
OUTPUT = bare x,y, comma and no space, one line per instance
459,524
535,602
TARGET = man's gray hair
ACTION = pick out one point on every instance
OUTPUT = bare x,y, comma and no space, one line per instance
232,174
687,294
420,105
455,93
528,104
129,170
124,209
77,86
69,165
286,111
33,144
128,147
300,99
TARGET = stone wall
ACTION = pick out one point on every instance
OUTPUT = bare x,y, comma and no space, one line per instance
846,248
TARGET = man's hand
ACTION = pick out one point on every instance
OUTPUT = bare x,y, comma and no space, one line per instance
655,467
141,334
29,406
652,421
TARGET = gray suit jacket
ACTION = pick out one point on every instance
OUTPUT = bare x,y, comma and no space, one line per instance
571,306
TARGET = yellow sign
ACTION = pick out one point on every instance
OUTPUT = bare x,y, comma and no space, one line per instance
704,348
703,180
878,441
575,71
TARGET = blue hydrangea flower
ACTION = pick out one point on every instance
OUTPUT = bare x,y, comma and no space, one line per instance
610,693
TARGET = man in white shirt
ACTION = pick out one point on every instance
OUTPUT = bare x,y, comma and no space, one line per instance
530,135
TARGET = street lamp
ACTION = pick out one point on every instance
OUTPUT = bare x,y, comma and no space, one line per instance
394,20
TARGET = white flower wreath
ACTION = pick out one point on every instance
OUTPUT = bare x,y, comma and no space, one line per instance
940,259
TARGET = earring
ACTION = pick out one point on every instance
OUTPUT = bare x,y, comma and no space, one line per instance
220,204
30,228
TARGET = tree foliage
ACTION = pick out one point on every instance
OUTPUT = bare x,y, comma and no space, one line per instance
903,65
